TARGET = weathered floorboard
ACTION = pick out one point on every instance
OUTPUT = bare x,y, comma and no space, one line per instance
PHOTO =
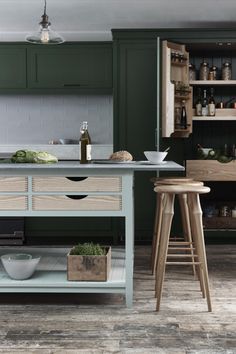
90,323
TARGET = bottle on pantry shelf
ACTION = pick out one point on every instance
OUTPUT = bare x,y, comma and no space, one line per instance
226,150
233,151
183,117
204,104
212,104
177,117
226,71
233,212
204,71
198,105
85,144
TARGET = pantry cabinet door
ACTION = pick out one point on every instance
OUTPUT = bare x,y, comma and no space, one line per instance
135,118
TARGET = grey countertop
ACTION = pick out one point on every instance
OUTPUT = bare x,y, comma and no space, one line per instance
75,165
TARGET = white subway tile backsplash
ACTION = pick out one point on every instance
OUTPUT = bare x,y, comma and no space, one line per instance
27,119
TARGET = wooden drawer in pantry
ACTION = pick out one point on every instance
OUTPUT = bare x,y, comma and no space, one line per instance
77,184
13,184
83,202
13,202
211,170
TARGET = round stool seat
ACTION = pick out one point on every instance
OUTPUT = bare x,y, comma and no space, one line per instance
182,189
171,180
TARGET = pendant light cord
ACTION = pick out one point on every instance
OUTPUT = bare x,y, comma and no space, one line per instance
45,6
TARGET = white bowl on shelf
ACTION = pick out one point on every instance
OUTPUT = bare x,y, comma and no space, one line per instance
155,157
20,266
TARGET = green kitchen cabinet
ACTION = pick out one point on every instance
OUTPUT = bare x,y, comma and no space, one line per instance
135,119
78,66
13,67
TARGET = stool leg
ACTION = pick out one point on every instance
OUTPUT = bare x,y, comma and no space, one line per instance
199,269
154,240
186,224
197,227
167,217
157,230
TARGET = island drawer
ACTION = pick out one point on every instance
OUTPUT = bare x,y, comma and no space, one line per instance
77,184
13,184
13,202
77,202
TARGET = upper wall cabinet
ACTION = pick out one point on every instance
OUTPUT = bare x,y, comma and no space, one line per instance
82,66
13,67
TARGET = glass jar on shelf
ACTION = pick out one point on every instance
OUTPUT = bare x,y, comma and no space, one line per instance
192,72
226,71
213,73
204,71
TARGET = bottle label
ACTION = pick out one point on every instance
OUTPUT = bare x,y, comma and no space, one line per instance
198,109
88,152
212,109
205,111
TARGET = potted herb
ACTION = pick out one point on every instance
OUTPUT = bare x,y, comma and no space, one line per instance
89,262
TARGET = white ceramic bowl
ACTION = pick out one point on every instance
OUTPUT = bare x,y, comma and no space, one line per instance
20,266
155,157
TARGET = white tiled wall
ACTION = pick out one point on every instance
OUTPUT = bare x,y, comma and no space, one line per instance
27,119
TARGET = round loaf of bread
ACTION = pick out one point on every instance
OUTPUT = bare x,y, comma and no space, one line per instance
121,156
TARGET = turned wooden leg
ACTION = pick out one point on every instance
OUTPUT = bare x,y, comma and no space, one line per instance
186,224
168,212
157,230
197,229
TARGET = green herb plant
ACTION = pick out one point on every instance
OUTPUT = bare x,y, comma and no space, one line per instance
88,249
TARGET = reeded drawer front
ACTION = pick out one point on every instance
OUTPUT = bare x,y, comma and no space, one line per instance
13,202
90,203
13,184
77,184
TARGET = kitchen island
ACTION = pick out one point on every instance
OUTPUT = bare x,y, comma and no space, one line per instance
71,189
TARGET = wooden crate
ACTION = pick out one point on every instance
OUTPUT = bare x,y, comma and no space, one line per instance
89,268
211,170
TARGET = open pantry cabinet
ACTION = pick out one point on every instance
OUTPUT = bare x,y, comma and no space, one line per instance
213,132
176,85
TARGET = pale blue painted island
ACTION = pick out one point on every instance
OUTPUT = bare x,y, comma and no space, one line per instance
71,189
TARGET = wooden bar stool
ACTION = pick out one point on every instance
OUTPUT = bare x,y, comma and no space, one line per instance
168,193
158,215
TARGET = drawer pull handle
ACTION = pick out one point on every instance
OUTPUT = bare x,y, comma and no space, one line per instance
75,85
76,179
75,197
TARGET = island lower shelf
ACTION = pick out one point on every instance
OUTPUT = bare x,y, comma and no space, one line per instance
51,274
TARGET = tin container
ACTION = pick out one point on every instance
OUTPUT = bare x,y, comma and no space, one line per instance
213,73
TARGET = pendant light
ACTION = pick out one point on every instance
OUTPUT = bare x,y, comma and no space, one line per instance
44,35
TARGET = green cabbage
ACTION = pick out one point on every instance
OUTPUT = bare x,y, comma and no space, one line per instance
27,156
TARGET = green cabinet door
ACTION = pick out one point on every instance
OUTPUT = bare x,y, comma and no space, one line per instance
85,66
135,118
13,67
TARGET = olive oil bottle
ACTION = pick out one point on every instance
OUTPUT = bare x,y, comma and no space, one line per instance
85,144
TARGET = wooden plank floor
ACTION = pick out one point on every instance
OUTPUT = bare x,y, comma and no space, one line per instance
67,324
